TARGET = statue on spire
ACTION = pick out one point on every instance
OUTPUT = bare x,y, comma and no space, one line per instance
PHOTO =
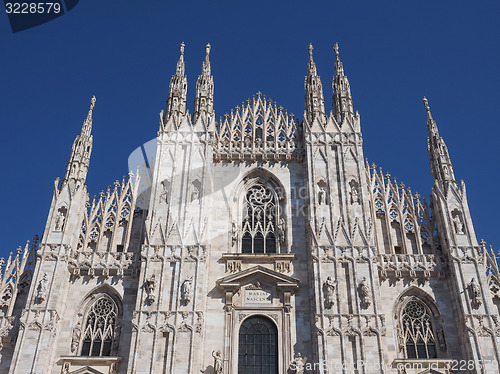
79,159
180,64
441,166
314,101
206,62
342,99
204,98
176,101
311,66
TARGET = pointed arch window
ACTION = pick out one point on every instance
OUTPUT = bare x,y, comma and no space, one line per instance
260,228
99,330
417,331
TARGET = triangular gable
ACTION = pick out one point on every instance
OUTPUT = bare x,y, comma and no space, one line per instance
243,277
86,370
431,371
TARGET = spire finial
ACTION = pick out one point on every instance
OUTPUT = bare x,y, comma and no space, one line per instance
180,64
428,110
441,166
336,49
206,63
87,124
339,68
203,102
426,104
311,66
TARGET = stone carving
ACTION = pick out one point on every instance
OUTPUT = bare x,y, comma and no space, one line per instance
234,233
186,290
474,292
282,266
7,330
150,285
281,230
75,337
195,194
255,286
233,266
354,194
321,196
364,291
218,363
41,290
382,328
457,222
61,217
164,193
116,334
298,364
66,367
6,297
285,138
440,336
329,287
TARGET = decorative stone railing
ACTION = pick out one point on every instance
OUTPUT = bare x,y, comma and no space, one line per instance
345,254
351,325
281,262
104,264
258,130
174,253
410,265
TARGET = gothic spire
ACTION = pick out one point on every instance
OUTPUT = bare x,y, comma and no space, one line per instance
342,99
311,66
441,167
204,98
79,160
314,102
176,101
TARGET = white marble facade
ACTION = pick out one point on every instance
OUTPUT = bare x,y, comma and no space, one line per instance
258,226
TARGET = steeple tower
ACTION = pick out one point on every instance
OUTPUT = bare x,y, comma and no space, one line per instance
314,101
204,99
176,101
441,167
342,99
78,163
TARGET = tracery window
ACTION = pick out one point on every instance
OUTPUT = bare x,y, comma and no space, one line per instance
258,346
417,333
99,331
260,225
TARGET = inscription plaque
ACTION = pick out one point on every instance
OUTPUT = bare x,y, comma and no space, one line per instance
257,297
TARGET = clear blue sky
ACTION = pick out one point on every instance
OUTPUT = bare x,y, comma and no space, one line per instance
124,52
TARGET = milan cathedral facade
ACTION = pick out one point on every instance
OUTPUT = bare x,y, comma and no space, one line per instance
259,243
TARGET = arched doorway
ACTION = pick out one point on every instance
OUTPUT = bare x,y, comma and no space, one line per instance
258,346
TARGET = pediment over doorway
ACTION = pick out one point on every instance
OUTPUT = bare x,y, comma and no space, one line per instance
258,287
86,370
89,364
258,274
